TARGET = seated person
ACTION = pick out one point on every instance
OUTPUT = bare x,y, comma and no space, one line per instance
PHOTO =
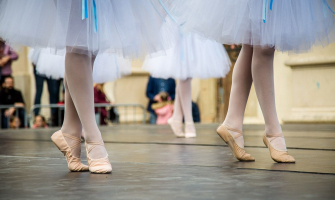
163,109
154,87
14,122
100,97
39,122
11,96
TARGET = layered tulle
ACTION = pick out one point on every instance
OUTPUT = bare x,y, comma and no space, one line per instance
128,28
106,67
287,25
191,56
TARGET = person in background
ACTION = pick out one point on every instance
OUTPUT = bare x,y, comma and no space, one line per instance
14,122
53,83
100,97
11,96
7,55
154,87
163,109
39,122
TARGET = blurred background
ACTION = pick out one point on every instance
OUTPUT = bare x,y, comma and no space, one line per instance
304,86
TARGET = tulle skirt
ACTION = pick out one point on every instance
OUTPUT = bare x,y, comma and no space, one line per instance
129,28
106,67
287,25
190,57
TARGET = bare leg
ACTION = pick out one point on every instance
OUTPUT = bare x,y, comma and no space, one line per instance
78,72
262,73
242,81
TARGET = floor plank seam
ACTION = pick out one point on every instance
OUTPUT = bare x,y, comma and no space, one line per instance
186,144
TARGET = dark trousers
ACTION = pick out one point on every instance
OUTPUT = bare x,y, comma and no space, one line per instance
53,88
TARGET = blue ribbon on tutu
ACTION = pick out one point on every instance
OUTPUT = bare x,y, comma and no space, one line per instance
84,13
325,10
265,3
167,11
157,11
95,22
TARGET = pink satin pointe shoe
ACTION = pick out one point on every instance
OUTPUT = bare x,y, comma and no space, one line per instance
280,156
100,165
238,151
190,130
177,128
74,163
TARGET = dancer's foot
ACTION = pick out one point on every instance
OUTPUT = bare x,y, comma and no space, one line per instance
190,130
177,127
97,165
230,137
277,147
74,162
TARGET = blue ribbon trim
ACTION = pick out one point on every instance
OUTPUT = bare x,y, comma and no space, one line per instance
95,22
157,11
325,5
84,13
167,11
271,2
265,3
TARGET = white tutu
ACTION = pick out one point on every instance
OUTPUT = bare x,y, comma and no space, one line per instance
190,57
124,27
287,25
106,67
50,65
33,55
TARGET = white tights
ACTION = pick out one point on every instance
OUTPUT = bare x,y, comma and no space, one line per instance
254,64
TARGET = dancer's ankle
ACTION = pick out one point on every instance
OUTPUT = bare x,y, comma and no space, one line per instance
73,132
176,118
238,127
239,140
273,129
275,134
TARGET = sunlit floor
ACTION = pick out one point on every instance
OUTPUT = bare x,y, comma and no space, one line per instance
150,163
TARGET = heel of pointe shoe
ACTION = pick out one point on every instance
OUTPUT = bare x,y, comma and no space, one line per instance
279,156
74,163
60,142
190,134
100,165
171,122
238,152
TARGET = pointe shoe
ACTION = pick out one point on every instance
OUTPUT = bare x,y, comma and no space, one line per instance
74,163
238,151
177,128
190,134
280,156
100,165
